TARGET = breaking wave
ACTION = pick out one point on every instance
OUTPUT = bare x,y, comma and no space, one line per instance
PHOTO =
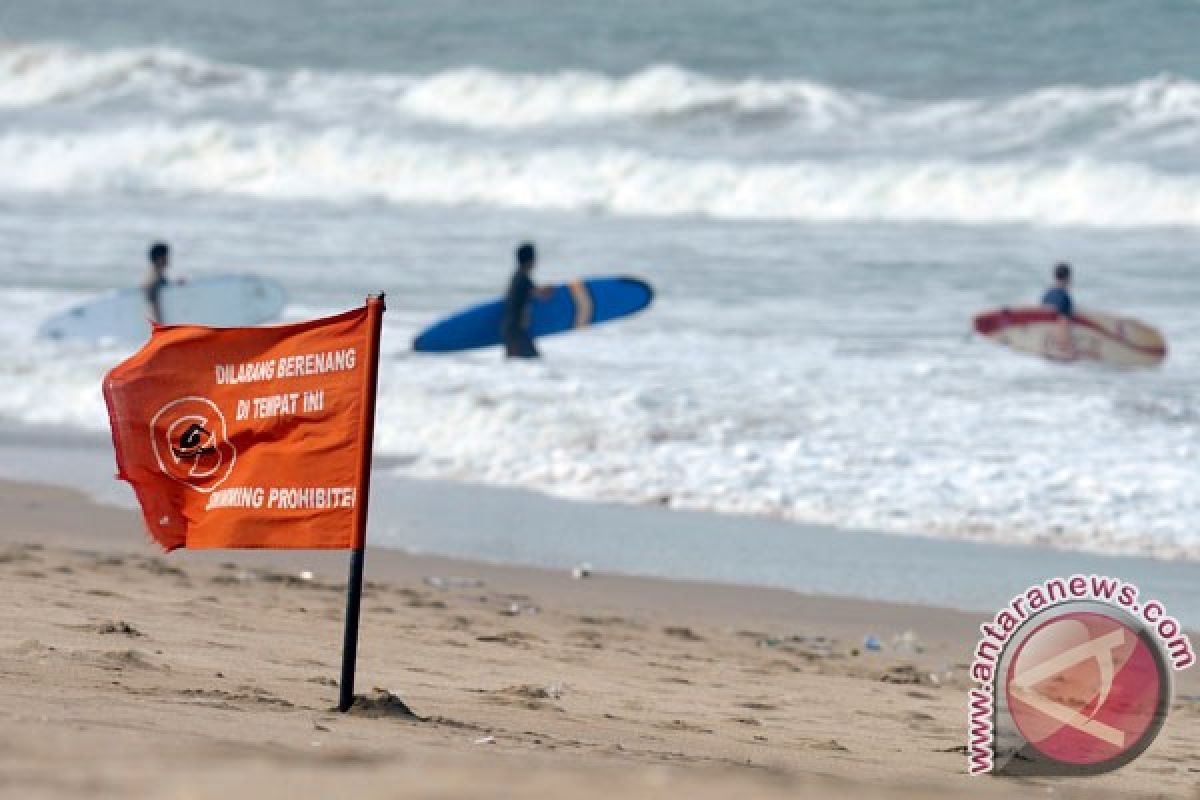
33,75
342,164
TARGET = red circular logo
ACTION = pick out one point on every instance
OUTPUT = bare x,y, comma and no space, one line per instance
1087,689
192,444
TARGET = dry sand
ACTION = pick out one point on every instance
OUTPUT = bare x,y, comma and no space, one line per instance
124,673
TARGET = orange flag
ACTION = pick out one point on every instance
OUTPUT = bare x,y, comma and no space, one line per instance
250,437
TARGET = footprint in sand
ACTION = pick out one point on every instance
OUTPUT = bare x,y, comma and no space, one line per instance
247,696
903,674
31,647
682,632
120,660
416,599
759,706
587,638
156,566
510,638
590,619
527,696
831,745
119,627
682,725
14,555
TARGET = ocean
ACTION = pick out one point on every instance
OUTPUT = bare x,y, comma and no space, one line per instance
823,194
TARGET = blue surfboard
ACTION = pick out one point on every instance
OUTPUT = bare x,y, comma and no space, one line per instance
583,302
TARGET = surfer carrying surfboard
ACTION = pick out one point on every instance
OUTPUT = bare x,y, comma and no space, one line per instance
1058,297
156,280
1058,330
514,326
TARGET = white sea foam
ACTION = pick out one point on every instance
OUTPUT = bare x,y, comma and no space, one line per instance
482,97
343,164
863,439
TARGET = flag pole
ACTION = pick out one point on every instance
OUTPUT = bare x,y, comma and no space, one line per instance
375,309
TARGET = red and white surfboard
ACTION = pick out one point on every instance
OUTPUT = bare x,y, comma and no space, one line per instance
1095,336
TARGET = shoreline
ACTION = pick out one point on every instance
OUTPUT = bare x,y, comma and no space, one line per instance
512,526
45,513
130,673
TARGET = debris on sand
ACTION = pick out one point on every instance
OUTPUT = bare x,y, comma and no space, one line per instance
905,674
516,609
907,643
119,626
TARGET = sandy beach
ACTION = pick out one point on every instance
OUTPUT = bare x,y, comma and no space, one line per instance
201,674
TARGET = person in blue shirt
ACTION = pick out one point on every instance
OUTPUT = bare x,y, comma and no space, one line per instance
1058,297
514,327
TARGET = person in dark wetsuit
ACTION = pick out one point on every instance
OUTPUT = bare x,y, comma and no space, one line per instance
156,280
1058,297
514,328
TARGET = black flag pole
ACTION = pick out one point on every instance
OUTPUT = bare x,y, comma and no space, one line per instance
375,307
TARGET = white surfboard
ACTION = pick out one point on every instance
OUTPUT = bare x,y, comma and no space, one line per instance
121,315
1095,336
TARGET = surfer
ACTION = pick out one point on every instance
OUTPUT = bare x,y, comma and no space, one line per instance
514,328
152,287
1058,297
